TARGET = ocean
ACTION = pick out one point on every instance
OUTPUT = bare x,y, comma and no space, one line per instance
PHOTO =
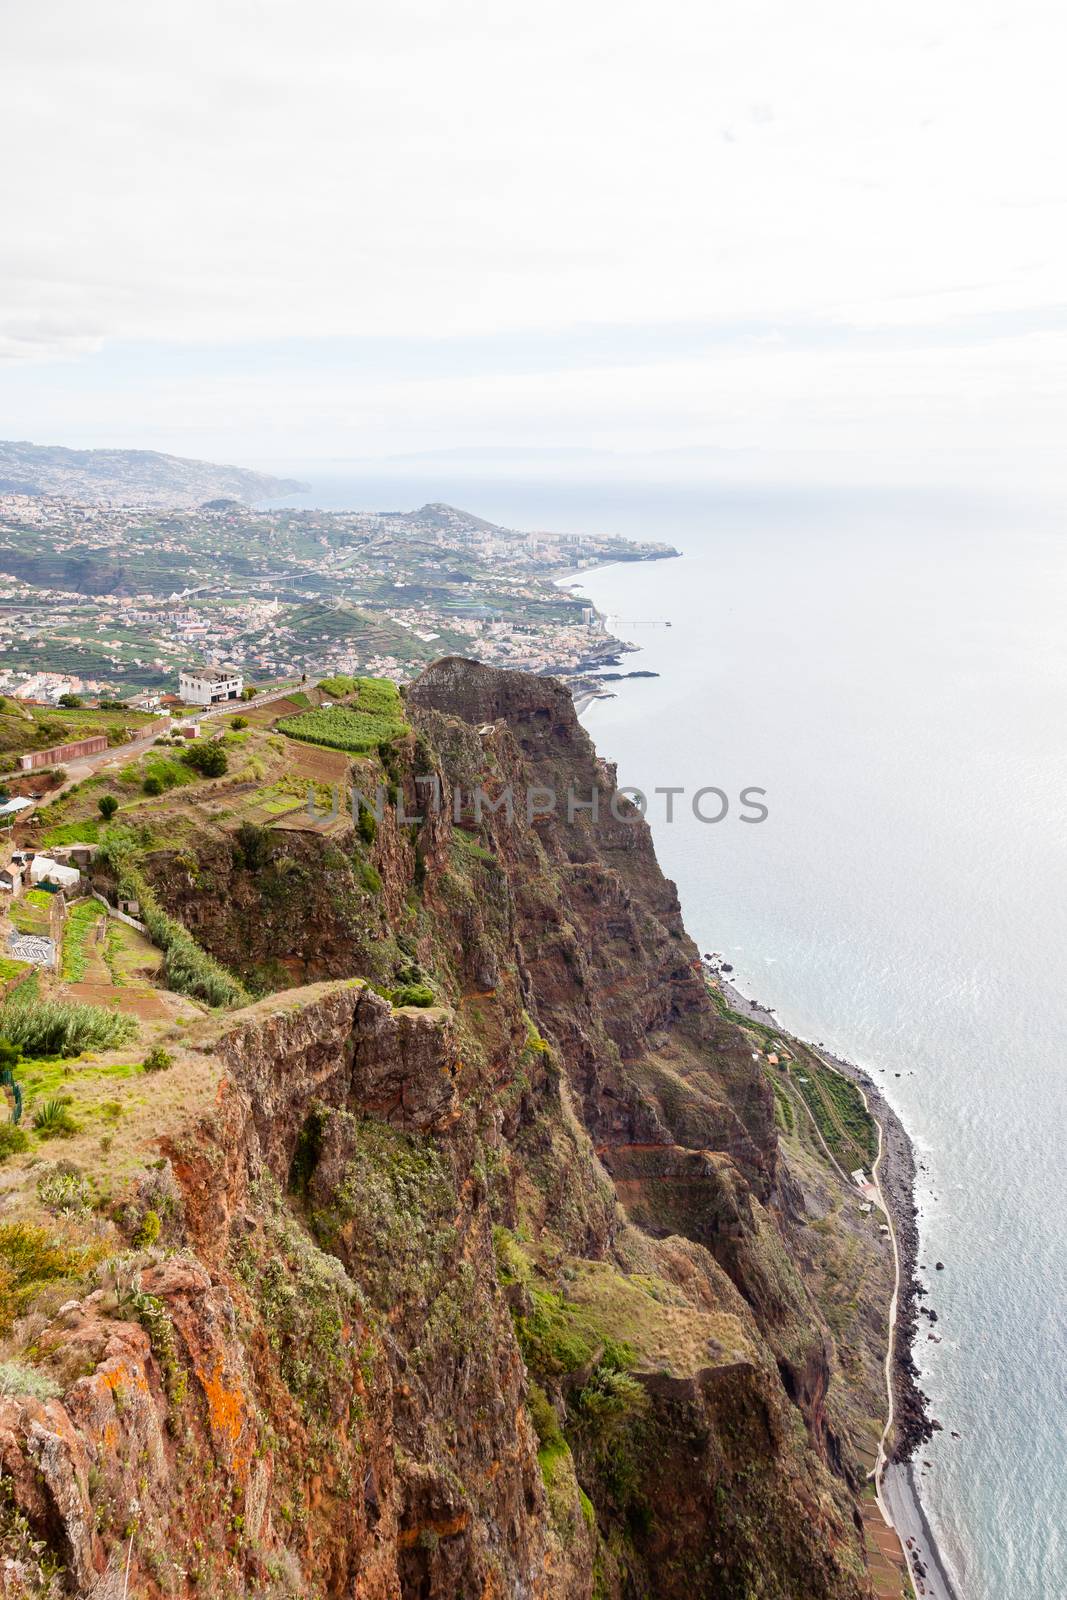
891,668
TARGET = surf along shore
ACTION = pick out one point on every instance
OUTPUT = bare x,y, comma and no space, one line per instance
908,1424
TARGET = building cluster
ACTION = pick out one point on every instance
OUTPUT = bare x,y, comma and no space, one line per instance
275,593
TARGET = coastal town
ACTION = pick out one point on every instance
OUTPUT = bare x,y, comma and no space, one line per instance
116,600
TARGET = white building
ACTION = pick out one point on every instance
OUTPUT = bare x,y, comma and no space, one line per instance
207,686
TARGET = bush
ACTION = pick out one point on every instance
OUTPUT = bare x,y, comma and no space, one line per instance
30,1257
368,824
64,1194
148,1232
107,806
413,994
158,1059
53,1120
17,1378
61,1027
13,1140
152,784
70,702
238,722
206,757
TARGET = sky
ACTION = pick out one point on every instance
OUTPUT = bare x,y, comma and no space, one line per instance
678,238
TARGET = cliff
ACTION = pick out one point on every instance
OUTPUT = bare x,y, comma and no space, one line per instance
478,1265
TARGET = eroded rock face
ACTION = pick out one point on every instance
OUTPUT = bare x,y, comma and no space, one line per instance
491,1298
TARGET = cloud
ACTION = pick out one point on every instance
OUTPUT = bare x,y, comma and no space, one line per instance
235,174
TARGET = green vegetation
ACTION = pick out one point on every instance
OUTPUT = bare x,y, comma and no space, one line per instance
374,717
32,913
186,967
148,1231
31,1257
207,757
107,805
9,968
13,1140
158,1059
77,930
839,1112
53,1119
85,832
18,1378
413,994
60,1027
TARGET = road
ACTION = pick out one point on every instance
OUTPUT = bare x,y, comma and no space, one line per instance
78,771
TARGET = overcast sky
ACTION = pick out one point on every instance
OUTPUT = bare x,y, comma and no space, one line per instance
829,234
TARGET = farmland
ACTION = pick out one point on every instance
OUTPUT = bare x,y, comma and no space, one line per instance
373,714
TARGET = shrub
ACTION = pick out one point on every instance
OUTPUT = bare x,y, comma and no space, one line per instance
148,1232
152,784
53,1120
413,994
61,1027
64,1194
238,722
17,1378
107,806
368,824
158,1059
30,1257
13,1140
70,702
206,757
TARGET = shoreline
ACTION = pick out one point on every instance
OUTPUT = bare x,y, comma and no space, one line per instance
899,1497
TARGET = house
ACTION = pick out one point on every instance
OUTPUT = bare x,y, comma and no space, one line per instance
208,686
11,880
44,870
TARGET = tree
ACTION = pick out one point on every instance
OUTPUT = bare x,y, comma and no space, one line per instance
108,805
238,722
248,692
206,757
70,702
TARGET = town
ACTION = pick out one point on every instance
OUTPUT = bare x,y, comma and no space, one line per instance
117,601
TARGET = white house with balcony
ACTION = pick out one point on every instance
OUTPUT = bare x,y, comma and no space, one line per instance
208,686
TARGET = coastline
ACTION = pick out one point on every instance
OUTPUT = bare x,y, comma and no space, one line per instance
899,1496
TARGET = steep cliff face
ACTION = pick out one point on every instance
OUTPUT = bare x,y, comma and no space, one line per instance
495,1296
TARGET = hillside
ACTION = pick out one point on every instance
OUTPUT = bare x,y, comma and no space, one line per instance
463,1245
130,475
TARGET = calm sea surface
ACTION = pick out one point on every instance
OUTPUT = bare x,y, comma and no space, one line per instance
893,671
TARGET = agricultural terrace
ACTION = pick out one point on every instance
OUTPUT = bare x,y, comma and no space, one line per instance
371,714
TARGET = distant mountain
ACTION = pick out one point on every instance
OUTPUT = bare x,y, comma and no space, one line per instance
131,476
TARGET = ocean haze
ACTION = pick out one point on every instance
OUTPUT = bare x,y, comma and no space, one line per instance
892,669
